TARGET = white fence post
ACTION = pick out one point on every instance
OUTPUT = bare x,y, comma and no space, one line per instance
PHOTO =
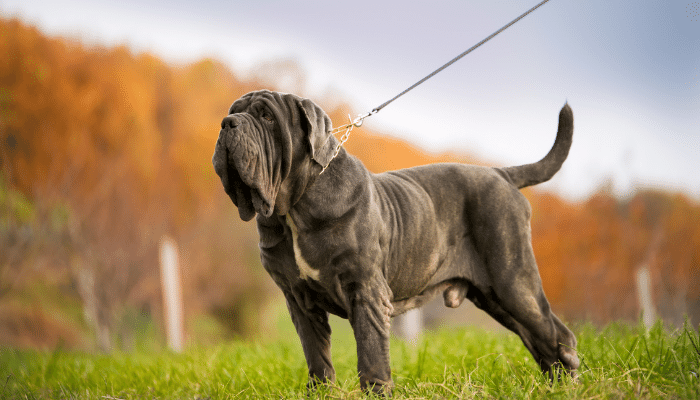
410,324
172,292
646,302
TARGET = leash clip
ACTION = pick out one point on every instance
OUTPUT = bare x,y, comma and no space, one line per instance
352,123
357,122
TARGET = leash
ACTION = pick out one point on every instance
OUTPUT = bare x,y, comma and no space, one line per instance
357,122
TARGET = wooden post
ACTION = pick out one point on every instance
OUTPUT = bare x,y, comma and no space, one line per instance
646,302
410,325
86,289
643,279
172,292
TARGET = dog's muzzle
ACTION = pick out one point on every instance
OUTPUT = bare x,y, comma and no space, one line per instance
238,161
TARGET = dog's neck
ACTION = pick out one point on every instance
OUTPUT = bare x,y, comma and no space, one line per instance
325,194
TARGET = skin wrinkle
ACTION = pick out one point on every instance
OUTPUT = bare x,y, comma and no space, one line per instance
245,154
261,139
381,244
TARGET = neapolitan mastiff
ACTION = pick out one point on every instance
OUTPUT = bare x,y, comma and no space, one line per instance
368,247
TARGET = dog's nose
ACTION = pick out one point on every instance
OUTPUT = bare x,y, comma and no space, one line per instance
230,122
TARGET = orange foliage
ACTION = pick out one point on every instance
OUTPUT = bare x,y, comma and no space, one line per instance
588,254
126,141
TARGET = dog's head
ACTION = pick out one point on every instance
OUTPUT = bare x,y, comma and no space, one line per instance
271,147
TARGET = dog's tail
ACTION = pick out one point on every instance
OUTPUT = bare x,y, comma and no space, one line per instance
543,170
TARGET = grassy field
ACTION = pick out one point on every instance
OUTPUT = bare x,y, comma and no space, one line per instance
618,361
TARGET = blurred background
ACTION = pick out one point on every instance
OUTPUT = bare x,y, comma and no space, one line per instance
109,112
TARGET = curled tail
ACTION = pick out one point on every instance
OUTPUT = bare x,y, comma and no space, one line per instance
543,170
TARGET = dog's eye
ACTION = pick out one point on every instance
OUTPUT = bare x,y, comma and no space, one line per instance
267,117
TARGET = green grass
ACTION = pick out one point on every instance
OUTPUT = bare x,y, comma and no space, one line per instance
618,361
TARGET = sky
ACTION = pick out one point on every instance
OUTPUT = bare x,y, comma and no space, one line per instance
630,70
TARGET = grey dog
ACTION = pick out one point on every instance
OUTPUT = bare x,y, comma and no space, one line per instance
368,247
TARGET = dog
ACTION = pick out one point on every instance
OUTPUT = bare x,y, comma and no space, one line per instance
368,247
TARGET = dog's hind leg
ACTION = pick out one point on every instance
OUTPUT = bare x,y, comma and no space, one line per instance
315,334
547,353
514,294
551,343
520,305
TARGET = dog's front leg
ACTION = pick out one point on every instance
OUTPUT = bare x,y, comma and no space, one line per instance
315,334
370,319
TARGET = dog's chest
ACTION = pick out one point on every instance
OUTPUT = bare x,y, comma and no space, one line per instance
305,270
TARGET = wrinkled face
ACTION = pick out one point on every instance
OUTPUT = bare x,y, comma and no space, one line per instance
270,147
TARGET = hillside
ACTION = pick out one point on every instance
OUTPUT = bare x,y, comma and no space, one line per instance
103,152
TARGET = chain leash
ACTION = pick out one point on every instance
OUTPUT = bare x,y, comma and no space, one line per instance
357,122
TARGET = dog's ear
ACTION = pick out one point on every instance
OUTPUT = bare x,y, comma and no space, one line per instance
317,126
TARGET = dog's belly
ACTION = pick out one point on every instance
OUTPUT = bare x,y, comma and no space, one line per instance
417,283
427,232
